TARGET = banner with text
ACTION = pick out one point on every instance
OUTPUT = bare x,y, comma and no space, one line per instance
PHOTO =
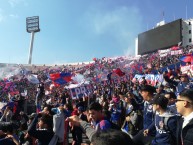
163,53
176,52
187,69
79,92
150,78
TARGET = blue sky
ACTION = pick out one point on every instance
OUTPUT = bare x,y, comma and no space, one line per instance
79,30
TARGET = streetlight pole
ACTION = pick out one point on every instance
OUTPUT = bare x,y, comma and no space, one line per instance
31,48
32,26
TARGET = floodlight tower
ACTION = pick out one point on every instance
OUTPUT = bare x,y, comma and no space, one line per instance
32,26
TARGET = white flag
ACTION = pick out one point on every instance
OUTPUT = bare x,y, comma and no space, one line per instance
33,79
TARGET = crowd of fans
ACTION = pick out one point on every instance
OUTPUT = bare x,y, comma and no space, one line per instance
126,111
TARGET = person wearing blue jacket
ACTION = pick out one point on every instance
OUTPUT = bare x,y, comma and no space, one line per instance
147,92
164,123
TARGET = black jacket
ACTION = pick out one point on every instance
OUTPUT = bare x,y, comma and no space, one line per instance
6,141
187,133
43,136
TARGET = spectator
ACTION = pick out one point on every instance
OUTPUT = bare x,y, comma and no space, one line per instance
182,84
184,105
104,102
81,114
115,112
22,133
10,137
7,114
184,81
160,89
96,114
64,96
47,110
67,110
76,130
44,133
164,123
171,104
23,117
111,137
102,137
130,124
147,94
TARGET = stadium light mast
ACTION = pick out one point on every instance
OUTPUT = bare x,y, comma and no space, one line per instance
32,26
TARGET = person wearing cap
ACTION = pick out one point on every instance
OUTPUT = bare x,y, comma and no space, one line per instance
147,92
164,123
184,105
184,81
169,88
181,85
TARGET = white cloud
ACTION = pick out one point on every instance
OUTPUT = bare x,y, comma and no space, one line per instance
122,24
13,3
14,16
4,16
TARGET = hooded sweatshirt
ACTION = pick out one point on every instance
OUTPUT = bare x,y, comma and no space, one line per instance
165,126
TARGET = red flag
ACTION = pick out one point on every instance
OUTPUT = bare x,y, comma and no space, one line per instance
119,72
175,48
187,58
61,78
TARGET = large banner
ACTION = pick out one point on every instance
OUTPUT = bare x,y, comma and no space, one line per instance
176,52
163,53
166,52
185,69
79,92
150,78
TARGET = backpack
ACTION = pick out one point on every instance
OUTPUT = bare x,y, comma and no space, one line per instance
138,125
165,121
139,121
173,138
